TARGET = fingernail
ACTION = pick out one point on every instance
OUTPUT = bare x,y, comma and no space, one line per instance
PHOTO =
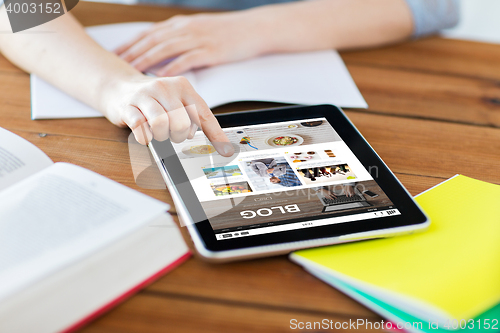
143,134
193,130
228,149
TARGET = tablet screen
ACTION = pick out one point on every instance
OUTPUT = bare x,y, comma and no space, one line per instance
285,176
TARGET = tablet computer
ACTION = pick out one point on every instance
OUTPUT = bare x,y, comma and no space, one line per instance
301,176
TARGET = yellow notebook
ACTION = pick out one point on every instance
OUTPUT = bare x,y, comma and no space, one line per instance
451,271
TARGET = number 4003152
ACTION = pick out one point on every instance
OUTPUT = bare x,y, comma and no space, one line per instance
34,8
485,324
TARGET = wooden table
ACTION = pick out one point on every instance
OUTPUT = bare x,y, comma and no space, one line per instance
434,112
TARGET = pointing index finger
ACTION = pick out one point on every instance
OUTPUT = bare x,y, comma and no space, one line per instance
211,127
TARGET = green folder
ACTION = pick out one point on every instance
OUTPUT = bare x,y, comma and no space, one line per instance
488,321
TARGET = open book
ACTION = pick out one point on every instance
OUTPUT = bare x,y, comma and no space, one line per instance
300,78
72,242
446,278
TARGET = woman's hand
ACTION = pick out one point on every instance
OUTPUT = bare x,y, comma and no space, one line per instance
196,41
163,108
328,194
349,190
209,39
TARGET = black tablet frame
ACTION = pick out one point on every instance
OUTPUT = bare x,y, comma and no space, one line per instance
411,215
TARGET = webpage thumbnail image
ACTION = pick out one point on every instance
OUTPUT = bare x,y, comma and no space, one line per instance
222,172
270,209
272,173
291,134
327,173
231,188
257,138
227,180
310,156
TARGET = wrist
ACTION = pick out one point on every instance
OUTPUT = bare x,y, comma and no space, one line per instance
114,91
276,28
294,27
270,27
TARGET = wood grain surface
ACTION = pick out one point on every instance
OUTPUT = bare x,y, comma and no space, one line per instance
434,112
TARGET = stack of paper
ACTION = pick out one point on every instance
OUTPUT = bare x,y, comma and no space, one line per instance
446,276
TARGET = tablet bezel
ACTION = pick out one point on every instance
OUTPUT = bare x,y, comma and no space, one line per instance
411,214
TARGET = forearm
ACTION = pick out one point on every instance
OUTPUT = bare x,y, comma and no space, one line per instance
62,53
333,24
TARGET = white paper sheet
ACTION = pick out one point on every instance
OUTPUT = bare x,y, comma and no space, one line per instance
300,78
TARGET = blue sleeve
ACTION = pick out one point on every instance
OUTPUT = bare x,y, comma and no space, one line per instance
430,16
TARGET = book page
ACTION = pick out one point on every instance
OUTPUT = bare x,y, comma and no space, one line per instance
61,215
19,159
